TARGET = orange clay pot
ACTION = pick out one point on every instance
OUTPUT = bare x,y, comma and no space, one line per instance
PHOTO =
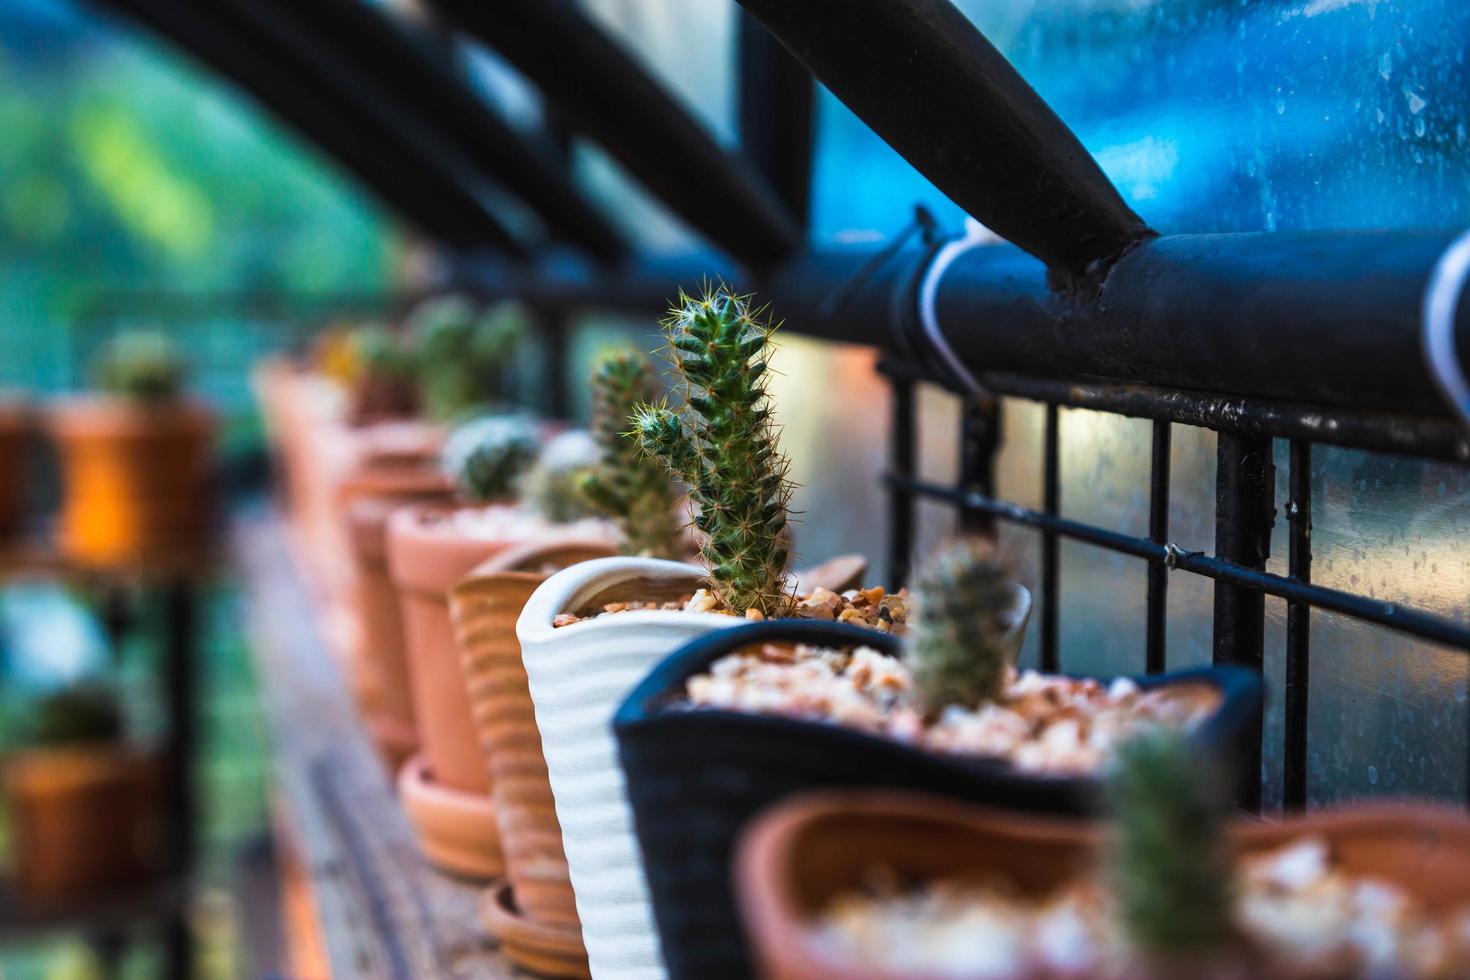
15,456
381,681
428,553
800,854
138,480
485,607
83,819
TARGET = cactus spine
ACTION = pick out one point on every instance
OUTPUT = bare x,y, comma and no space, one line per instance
722,445
1170,873
960,649
487,456
627,485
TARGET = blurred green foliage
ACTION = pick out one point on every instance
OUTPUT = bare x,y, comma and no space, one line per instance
124,166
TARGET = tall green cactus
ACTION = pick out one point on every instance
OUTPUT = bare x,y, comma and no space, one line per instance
1170,872
722,445
960,645
627,485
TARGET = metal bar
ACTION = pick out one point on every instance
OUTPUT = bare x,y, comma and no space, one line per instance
979,439
181,696
901,468
1261,309
378,158
1298,630
1158,570
1050,546
602,92
778,101
1245,486
414,87
920,74
551,328
1412,622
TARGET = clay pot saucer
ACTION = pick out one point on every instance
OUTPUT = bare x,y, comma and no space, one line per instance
456,830
542,948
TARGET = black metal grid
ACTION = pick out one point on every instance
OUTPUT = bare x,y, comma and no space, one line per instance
1245,495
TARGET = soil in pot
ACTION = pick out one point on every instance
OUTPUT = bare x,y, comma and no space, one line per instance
885,886
138,480
83,819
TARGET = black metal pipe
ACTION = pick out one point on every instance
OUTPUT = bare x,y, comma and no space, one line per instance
602,92
1298,630
926,80
979,441
1245,487
415,85
393,171
1311,318
777,111
1051,572
902,458
1155,639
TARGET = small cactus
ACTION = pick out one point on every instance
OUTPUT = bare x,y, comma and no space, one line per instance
141,365
722,445
551,488
486,457
81,712
462,353
960,646
628,486
1171,876
384,381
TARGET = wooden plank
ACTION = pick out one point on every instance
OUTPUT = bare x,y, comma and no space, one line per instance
382,912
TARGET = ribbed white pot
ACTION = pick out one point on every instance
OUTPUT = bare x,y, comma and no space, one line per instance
579,675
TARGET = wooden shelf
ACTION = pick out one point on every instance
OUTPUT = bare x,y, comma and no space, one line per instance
380,911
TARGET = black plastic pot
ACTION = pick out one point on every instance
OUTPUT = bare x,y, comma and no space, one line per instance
696,776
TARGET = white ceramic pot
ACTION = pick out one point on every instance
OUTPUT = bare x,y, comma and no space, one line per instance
578,676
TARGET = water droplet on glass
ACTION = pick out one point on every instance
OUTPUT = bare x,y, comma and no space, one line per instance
1385,65
1372,775
1280,106
1416,101
1419,126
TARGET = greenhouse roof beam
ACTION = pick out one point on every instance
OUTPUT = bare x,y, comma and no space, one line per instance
604,94
927,81
410,181
415,88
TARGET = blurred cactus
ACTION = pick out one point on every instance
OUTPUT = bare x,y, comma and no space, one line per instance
722,445
487,457
385,375
629,486
1170,872
79,713
961,646
141,365
551,488
462,353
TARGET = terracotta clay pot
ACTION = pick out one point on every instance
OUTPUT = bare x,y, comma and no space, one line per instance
138,480
485,607
578,675
381,682
428,554
83,819
802,853
16,425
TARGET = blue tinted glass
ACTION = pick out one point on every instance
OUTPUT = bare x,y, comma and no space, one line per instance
1231,115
